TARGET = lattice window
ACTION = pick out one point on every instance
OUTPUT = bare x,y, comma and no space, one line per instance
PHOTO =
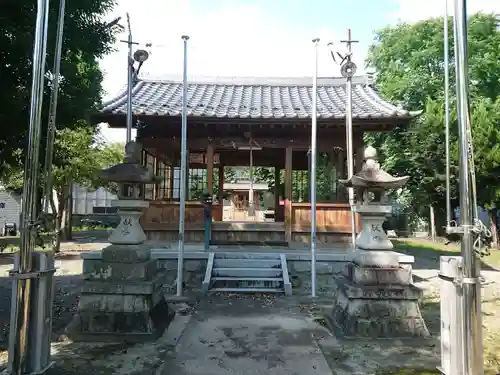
197,183
300,186
163,190
149,161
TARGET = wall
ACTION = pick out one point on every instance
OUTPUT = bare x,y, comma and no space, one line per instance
10,207
84,200
299,268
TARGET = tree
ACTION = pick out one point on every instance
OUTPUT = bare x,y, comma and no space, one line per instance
80,86
78,156
408,59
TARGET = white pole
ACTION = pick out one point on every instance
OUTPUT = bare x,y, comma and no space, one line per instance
471,289
49,148
19,345
130,82
447,113
313,168
349,147
182,206
251,211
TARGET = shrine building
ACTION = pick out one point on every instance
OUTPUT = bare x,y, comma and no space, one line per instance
231,120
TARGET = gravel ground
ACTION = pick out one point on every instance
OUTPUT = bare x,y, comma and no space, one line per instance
345,358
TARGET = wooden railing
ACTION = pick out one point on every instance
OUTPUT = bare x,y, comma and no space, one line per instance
161,215
330,217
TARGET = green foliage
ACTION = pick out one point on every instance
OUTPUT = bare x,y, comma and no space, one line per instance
86,40
78,156
408,59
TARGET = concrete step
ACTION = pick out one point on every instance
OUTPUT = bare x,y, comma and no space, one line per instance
249,243
247,255
247,282
247,263
249,290
247,272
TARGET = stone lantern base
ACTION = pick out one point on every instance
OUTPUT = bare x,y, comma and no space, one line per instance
375,298
129,231
372,235
122,297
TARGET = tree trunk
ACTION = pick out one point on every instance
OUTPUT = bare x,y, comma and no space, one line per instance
494,230
67,233
59,222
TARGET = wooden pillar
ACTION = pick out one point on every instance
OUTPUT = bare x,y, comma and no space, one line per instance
341,173
288,194
188,190
170,170
342,160
210,169
221,181
309,181
331,175
155,172
277,182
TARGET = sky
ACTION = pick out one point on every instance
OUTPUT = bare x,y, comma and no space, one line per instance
254,37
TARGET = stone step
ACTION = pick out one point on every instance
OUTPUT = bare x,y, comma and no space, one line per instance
247,272
247,255
245,263
247,282
249,290
248,243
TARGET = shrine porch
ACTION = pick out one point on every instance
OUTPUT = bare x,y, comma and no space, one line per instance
160,223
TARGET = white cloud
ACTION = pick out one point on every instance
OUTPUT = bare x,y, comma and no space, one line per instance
411,10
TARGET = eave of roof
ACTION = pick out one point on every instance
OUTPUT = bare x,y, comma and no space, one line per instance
254,98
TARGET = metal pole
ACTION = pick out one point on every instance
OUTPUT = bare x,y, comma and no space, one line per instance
349,146
447,112
130,81
51,131
314,118
19,348
473,342
251,211
182,208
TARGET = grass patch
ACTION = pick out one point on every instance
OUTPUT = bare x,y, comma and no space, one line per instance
433,250
410,372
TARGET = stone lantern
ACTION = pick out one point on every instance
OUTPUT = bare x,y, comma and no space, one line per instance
374,295
131,176
122,296
371,185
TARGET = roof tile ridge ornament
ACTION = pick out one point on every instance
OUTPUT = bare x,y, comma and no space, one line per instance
254,81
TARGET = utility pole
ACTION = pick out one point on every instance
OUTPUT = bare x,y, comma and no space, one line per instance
348,69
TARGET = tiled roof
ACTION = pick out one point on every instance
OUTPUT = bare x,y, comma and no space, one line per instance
245,97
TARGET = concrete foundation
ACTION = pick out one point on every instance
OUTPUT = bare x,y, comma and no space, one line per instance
375,297
122,298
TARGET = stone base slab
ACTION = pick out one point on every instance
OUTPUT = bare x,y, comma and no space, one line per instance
377,276
376,311
121,301
133,327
